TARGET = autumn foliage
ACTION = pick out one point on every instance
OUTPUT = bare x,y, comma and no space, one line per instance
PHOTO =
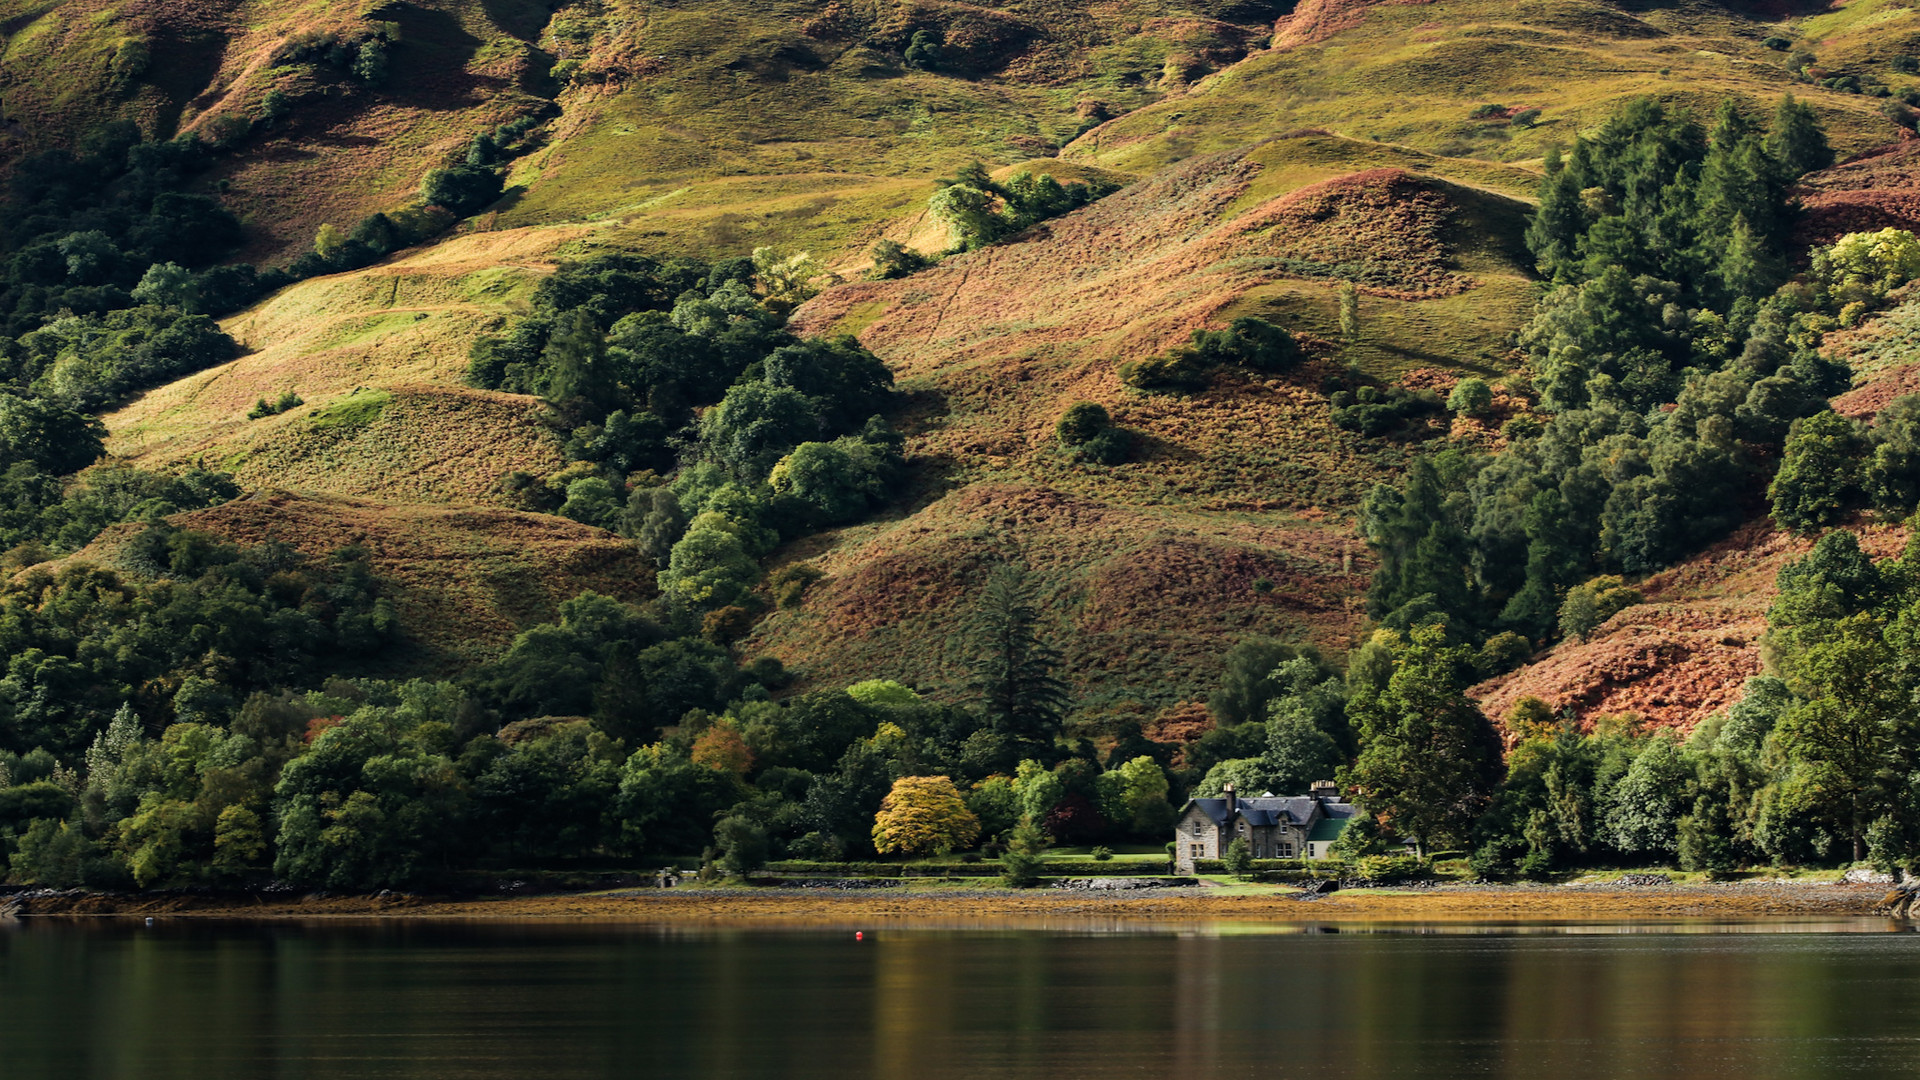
923,815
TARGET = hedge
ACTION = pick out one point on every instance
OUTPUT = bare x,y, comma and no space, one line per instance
1076,867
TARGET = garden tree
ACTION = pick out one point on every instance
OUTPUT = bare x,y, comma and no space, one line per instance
924,815
1083,422
811,731
665,800
1429,761
167,284
841,802
924,50
742,843
1038,789
1560,221
977,210
1816,594
1013,667
1819,480
969,214
1862,268
1134,796
1238,859
1424,554
1556,556
591,501
1840,749
239,840
370,803
1026,849
1298,751
722,749
1544,815
993,800
1247,685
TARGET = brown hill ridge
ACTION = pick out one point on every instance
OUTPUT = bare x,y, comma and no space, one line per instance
1685,653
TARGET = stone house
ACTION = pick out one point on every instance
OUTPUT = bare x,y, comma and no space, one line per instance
1290,827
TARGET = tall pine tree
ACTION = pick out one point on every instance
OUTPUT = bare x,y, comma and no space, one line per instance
1013,672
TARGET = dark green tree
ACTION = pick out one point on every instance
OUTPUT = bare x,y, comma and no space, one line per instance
1819,480
1013,667
1429,760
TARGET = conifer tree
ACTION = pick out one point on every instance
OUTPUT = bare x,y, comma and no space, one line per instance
1014,668
579,381
1796,140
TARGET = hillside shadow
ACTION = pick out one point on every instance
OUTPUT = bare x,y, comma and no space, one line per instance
523,19
192,63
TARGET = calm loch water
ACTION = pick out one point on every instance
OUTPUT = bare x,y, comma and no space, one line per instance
469,1001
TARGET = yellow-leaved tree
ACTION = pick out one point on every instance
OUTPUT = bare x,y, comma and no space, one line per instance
924,815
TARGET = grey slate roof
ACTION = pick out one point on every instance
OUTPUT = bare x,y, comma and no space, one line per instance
1294,810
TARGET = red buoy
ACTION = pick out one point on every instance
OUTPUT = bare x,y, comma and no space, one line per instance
859,935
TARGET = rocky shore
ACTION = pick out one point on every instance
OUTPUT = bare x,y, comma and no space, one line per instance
1482,903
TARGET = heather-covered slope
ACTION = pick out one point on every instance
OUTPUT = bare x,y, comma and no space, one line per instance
1687,651
1272,150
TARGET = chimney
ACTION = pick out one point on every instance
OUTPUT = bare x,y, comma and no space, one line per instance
1325,789
1233,801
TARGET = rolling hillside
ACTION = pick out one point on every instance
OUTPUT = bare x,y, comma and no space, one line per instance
1269,150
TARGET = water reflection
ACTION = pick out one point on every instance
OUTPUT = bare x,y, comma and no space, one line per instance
482,1000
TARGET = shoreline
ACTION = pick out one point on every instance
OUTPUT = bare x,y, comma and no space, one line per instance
774,907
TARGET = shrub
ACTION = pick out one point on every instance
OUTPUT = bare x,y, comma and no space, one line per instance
1525,118
264,408
1471,397
892,259
1181,369
1373,412
1239,859
1524,426
1081,423
1502,652
1777,43
1587,606
1020,863
1111,447
462,189
1487,112
1102,853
